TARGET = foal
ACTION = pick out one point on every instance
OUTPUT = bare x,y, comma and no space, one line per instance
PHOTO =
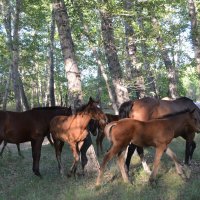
157,133
73,130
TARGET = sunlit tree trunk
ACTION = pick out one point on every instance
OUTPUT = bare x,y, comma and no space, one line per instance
71,68
195,32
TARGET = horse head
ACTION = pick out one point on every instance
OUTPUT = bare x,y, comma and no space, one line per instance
94,110
194,121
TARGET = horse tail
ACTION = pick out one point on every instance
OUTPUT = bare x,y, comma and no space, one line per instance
108,128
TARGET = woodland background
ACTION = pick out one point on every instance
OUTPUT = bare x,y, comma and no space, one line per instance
61,52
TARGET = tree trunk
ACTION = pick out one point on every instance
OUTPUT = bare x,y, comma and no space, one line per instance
13,46
173,93
5,97
120,91
23,95
51,61
15,57
101,67
73,77
195,32
132,68
71,68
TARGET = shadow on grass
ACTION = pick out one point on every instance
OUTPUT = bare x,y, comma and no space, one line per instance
18,182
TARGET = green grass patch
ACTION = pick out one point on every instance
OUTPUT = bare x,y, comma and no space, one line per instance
18,182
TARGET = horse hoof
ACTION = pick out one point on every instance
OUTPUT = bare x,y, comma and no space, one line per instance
38,174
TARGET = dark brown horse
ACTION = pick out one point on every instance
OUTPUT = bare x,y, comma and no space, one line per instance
157,133
31,125
73,130
149,108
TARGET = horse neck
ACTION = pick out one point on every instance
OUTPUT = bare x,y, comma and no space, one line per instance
83,119
179,124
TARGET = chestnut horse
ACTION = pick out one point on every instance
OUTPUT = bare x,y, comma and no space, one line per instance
31,125
157,133
150,108
101,135
73,130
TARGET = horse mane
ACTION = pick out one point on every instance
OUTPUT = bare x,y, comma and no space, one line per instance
125,108
174,114
184,99
49,108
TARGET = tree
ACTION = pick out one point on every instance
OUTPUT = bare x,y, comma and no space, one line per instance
67,46
120,91
195,32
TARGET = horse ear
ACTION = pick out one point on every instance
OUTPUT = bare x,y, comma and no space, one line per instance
91,100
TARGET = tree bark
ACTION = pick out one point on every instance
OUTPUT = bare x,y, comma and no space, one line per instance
71,68
120,91
195,32
51,60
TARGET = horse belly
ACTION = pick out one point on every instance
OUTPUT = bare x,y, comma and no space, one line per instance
13,136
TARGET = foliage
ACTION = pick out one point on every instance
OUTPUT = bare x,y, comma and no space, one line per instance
35,22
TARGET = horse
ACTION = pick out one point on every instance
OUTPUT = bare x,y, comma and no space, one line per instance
31,125
73,130
150,108
157,133
48,135
101,135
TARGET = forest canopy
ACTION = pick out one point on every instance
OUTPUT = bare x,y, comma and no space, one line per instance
122,49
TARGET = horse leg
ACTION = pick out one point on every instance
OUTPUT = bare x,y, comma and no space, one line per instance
99,141
19,151
140,152
159,152
4,145
109,155
58,145
36,153
131,149
178,166
75,151
192,148
121,164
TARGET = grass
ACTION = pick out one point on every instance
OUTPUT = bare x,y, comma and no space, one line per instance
18,182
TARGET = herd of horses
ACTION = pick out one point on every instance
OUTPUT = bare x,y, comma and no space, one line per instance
141,123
